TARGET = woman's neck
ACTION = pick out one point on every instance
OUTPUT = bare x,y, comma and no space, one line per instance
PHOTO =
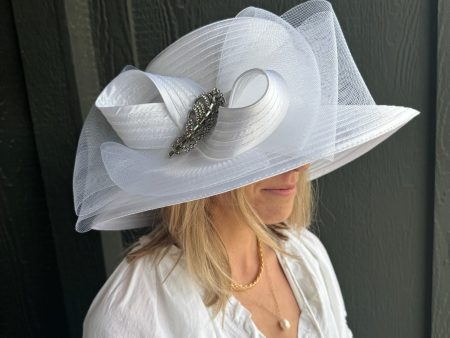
239,241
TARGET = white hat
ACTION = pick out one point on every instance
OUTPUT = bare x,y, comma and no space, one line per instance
293,95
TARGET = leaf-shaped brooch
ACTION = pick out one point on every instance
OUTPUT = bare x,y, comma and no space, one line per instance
201,120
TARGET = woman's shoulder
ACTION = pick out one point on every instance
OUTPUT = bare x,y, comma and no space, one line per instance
127,298
132,301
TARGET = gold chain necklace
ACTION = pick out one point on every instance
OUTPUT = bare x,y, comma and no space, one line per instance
241,287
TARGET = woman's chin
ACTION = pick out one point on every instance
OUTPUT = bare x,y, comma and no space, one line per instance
277,217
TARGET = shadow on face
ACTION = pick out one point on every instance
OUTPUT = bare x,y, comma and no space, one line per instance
272,198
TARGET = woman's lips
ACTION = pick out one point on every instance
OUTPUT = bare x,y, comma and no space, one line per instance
285,191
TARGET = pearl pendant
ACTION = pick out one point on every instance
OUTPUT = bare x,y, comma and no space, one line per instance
285,324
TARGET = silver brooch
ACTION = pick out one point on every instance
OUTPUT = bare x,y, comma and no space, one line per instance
201,119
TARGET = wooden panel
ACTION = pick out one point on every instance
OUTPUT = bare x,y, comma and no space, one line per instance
32,302
78,14
441,258
112,39
156,24
54,107
375,214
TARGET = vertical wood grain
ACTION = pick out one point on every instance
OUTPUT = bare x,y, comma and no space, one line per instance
375,214
111,36
54,107
79,28
156,24
31,298
441,250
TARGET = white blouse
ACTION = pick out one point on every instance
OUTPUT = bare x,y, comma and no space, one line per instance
144,299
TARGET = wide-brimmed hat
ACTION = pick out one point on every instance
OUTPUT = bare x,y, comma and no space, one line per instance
231,103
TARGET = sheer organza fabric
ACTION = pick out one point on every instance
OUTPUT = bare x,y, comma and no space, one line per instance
293,96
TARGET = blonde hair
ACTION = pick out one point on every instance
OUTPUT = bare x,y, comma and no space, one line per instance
189,226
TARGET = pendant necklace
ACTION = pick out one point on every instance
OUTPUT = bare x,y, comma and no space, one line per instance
283,323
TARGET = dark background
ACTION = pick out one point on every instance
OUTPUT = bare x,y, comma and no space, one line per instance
385,218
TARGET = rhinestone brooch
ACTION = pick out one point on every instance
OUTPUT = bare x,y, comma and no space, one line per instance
202,118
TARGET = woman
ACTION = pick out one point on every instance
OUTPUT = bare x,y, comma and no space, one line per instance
222,134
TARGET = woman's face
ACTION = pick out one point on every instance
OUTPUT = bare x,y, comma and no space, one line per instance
273,198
